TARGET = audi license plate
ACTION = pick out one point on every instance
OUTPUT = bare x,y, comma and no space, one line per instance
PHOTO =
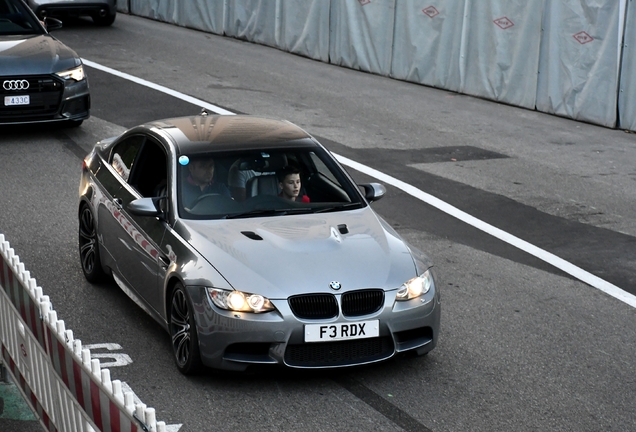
342,331
16,100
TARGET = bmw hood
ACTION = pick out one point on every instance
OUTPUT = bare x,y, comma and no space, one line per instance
35,55
280,256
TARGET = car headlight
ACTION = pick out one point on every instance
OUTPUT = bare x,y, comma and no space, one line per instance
416,286
239,301
76,74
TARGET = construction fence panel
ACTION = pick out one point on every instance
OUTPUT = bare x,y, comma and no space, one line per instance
65,387
123,6
561,57
304,28
579,62
627,93
426,47
361,34
253,20
206,16
499,53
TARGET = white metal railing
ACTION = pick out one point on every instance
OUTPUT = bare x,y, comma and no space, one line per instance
65,388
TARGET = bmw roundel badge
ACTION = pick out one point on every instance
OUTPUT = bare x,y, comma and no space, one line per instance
335,285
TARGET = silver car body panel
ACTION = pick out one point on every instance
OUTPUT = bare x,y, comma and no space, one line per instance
303,253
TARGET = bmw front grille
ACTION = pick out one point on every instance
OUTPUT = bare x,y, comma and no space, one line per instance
325,306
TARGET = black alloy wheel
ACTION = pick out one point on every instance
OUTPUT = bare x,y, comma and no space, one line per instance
185,341
89,247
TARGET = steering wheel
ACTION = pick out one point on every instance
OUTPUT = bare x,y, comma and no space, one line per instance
202,197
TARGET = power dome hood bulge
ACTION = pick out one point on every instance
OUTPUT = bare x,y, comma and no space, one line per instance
303,253
35,55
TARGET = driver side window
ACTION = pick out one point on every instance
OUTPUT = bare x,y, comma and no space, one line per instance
150,171
142,163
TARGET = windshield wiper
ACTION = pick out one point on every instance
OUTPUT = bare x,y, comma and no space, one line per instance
269,212
338,207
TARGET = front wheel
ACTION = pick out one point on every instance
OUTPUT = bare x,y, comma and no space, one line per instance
89,246
185,341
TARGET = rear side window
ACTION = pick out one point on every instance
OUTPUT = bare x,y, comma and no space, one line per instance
124,155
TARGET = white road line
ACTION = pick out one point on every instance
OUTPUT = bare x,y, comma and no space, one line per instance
158,87
552,259
549,258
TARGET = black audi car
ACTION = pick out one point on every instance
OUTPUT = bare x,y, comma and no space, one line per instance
41,79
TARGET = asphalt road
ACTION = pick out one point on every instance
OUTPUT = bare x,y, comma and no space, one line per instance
524,346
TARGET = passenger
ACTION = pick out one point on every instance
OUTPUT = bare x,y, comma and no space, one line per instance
200,181
290,184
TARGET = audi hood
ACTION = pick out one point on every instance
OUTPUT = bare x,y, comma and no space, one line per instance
296,254
35,55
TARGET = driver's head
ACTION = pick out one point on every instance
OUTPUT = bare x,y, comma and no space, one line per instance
202,170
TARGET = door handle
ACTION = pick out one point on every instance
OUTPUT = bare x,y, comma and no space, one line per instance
164,262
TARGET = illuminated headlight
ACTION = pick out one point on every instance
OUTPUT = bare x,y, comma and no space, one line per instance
239,301
76,74
416,286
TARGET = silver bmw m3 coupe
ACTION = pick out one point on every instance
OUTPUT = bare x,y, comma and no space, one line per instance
251,245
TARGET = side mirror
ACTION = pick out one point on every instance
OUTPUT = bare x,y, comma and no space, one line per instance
373,191
145,207
52,24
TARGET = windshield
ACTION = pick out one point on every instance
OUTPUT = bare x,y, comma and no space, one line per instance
274,182
16,19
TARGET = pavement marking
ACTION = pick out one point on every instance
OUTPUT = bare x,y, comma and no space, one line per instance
543,255
143,82
525,246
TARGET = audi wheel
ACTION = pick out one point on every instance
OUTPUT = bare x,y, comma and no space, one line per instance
89,247
185,341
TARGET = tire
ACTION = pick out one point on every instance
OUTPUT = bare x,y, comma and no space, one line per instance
183,332
104,21
74,123
89,246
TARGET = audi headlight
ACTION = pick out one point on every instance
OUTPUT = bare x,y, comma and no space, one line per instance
76,74
416,287
239,301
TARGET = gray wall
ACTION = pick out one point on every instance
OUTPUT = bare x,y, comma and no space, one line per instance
563,57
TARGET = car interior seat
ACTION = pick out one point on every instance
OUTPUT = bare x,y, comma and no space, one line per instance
265,181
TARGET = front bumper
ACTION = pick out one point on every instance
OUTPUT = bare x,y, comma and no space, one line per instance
235,340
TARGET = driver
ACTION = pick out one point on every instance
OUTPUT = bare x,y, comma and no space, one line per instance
200,181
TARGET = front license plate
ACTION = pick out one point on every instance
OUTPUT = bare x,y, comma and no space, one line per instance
16,100
342,331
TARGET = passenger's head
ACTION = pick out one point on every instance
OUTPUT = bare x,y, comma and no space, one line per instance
289,182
